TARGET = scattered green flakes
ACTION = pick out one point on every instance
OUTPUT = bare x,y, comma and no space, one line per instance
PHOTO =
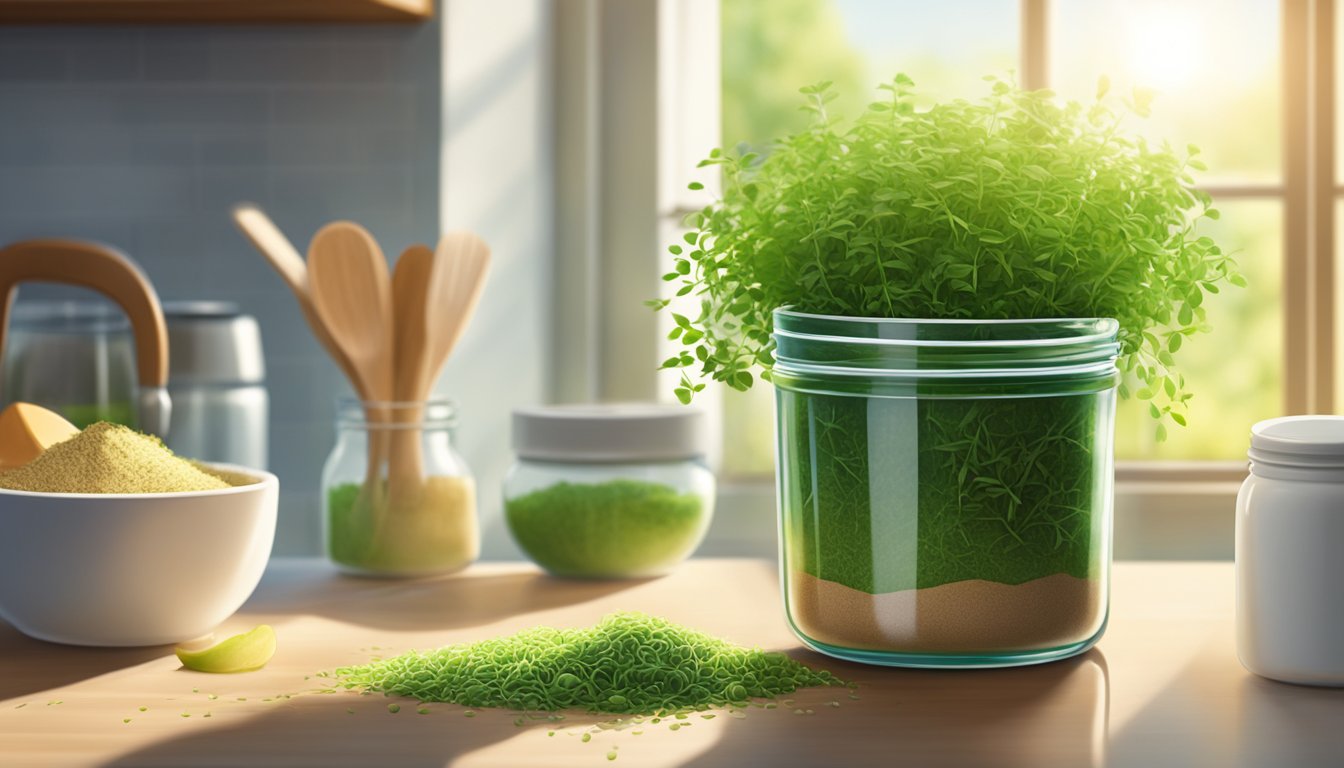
674,727
195,690
469,713
636,733
682,715
629,663
394,708
144,709
186,714
707,717
349,711
550,733
422,711
242,698
54,702
212,697
21,706
125,720
611,755
657,720
770,705
518,722
207,714
585,738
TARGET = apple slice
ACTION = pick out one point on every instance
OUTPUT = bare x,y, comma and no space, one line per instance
241,653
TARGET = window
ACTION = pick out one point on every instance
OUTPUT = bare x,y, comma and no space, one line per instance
1250,81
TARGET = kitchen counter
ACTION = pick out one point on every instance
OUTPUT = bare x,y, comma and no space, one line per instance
1163,687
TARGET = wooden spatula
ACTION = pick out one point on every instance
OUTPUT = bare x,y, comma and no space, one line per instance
458,277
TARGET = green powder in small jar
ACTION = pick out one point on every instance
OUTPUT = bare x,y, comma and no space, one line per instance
110,458
608,491
616,528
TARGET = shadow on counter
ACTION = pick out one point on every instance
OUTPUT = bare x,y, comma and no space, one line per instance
30,668
1041,716
345,729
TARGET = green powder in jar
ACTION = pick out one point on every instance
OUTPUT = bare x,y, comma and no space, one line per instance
630,663
616,528
109,458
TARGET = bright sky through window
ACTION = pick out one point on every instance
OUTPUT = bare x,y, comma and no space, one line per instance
1166,47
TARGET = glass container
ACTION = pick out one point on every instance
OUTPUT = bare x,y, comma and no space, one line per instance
609,491
74,357
945,486
397,499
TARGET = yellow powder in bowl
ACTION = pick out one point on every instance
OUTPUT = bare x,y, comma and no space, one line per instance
109,458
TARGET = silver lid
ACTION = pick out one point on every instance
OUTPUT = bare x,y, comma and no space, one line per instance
211,342
1305,441
609,433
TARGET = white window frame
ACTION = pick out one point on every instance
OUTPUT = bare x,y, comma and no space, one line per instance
637,104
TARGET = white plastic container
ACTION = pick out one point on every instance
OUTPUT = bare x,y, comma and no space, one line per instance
1290,530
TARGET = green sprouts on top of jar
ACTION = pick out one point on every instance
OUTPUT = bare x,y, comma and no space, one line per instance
1015,205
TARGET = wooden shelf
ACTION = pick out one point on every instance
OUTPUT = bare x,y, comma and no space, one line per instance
212,11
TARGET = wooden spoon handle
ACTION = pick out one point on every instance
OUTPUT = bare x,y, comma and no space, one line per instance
113,274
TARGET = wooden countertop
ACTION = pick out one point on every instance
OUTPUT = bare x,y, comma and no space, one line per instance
1163,688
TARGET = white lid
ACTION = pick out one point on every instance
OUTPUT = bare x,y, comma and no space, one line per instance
609,433
1309,441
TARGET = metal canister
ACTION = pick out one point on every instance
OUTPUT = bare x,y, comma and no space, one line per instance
217,382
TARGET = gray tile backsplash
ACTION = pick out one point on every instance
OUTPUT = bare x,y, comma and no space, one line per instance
143,138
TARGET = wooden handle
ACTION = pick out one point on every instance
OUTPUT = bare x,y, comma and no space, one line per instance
99,268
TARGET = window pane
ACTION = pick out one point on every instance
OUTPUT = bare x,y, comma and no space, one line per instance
771,49
1214,65
1235,372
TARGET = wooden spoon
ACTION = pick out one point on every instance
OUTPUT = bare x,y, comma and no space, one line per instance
410,287
352,295
460,264
410,298
285,258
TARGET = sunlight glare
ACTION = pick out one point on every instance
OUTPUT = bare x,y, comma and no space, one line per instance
1166,48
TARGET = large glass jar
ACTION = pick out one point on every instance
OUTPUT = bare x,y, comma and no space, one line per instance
397,499
945,486
608,491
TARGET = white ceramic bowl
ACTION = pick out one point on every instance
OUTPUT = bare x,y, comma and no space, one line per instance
133,569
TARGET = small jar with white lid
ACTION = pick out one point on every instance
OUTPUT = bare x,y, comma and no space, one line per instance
1290,576
608,491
